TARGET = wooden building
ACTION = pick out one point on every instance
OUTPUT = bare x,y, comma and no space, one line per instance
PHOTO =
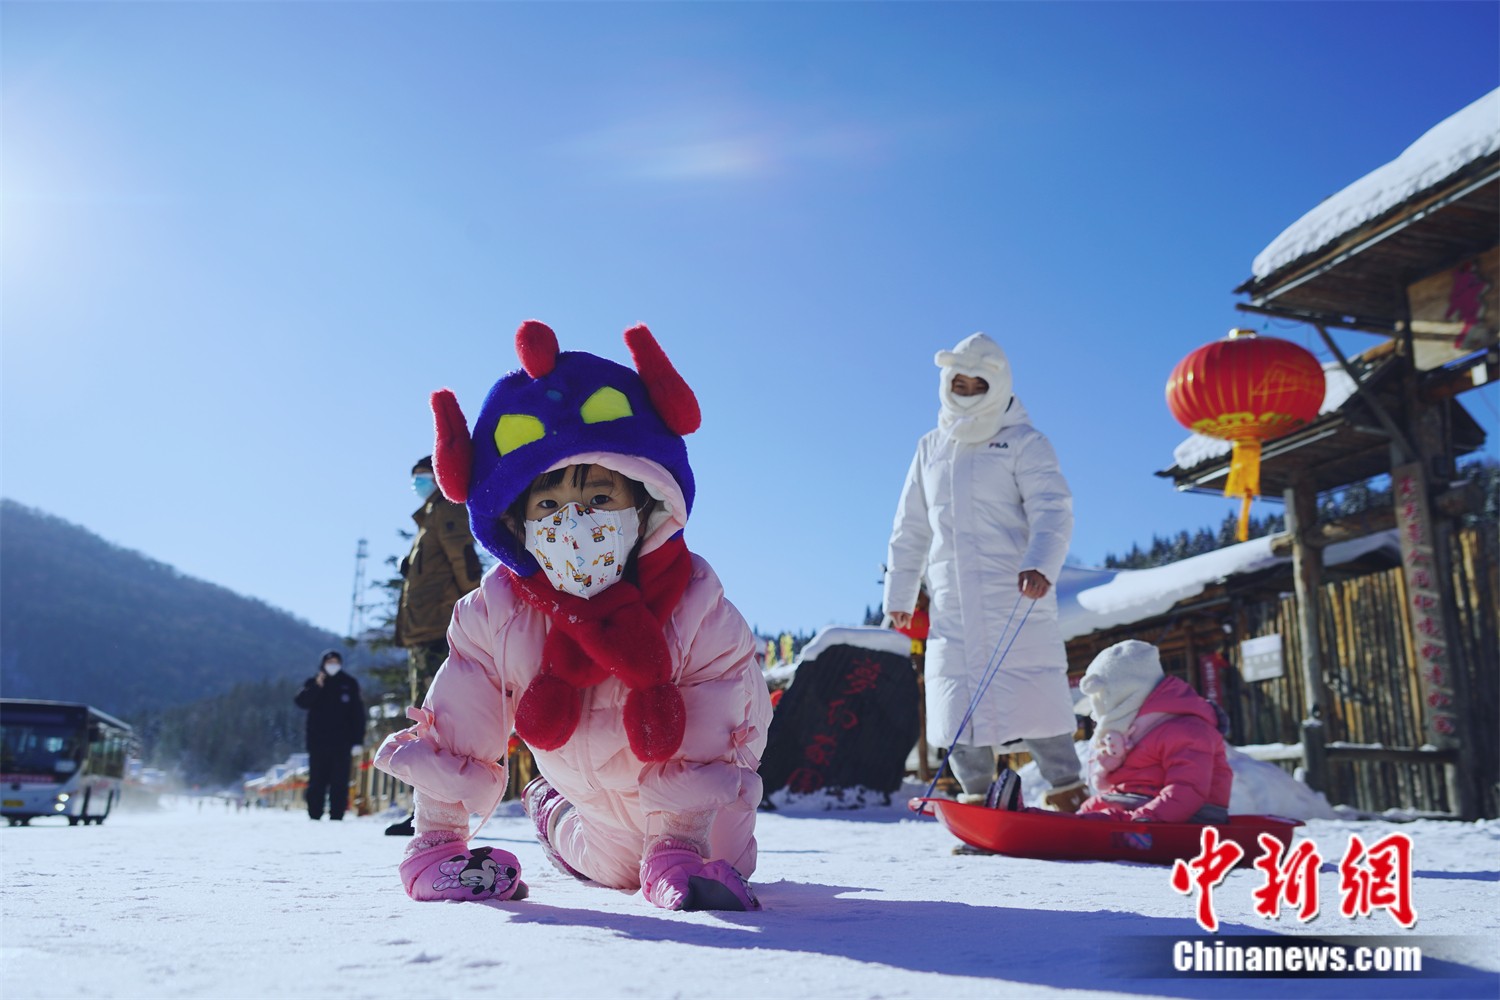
1409,255
1246,600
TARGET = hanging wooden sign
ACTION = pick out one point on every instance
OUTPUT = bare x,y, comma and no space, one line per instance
1456,312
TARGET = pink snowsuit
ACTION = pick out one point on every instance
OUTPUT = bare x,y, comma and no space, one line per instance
454,755
1174,756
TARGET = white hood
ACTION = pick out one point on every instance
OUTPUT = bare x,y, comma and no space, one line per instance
973,418
1119,681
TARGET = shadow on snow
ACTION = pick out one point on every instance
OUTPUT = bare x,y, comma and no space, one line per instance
1000,943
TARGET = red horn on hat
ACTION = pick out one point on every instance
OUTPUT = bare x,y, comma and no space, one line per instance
453,452
673,400
536,346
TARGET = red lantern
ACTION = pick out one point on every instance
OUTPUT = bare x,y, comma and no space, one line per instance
1246,389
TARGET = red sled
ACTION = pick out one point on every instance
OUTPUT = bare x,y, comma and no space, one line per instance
1051,836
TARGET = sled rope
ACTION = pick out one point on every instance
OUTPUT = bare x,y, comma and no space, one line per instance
997,657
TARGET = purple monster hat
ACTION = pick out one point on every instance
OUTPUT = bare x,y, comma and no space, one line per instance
559,404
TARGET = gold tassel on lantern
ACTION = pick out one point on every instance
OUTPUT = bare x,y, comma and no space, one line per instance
1244,481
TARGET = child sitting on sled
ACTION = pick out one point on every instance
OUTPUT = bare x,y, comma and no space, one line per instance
1158,752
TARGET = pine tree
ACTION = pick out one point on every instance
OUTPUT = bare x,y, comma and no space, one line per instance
1184,545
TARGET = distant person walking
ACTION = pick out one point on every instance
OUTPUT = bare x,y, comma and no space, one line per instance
335,724
985,518
441,567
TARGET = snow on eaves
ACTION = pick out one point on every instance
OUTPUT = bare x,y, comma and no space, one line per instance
1130,595
1445,149
1089,600
1199,448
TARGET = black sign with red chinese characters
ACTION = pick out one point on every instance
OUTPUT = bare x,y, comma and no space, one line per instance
849,720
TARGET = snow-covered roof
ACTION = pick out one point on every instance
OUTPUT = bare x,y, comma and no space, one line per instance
1442,151
1089,600
1198,448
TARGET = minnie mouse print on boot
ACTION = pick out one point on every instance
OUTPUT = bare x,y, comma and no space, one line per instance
604,642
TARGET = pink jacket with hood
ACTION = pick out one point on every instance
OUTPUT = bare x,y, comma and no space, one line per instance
1155,736
454,755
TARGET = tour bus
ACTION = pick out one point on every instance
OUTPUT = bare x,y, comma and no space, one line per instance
60,758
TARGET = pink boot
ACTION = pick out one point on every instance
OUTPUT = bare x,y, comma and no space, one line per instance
546,807
446,869
674,876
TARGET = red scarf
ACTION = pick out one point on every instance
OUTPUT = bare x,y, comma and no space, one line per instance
616,633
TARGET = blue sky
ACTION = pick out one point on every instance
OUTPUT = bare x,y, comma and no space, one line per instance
243,242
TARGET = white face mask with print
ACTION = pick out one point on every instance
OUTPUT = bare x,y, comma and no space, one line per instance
583,550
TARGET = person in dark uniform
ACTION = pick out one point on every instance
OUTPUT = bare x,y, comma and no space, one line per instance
335,724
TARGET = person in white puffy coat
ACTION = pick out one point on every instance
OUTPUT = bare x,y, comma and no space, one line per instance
985,519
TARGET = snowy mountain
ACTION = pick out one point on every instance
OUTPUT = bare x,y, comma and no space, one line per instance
84,620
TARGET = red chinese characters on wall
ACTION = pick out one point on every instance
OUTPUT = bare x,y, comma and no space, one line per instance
1466,301
838,716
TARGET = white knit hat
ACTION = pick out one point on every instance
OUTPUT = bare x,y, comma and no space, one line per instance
1118,682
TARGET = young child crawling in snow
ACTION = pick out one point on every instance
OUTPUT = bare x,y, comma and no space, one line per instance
608,646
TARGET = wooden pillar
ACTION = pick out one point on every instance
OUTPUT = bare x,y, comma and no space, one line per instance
1194,670
1307,570
1249,730
1426,535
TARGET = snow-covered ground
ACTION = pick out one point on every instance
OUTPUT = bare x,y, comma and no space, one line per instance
204,902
